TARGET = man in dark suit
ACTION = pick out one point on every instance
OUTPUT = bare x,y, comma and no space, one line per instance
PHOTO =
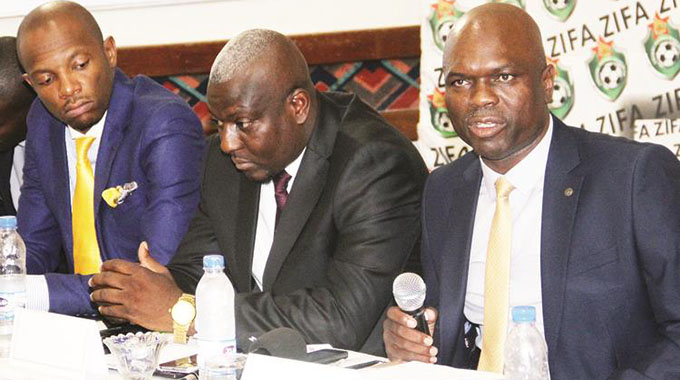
137,181
323,260
15,99
594,241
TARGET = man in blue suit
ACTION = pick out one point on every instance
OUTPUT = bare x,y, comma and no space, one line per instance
595,223
136,179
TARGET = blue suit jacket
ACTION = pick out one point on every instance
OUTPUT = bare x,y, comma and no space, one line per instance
150,136
610,256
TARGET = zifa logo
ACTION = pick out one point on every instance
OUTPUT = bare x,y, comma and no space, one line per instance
561,9
608,69
563,91
439,116
663,47
442,19
517,3
3,302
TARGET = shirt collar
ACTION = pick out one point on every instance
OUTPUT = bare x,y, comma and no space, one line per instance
528,173
293,167
96,130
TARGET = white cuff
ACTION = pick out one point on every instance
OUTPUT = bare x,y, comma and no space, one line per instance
37,294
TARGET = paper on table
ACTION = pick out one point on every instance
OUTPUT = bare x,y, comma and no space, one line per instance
68,343
415,370
269,367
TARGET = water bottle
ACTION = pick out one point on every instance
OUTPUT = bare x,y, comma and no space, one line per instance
12,279
215,330
526,354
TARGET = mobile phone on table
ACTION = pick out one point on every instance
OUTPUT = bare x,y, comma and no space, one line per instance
180,367
326,356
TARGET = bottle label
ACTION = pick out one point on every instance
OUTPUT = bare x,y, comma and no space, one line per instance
10,301
208,349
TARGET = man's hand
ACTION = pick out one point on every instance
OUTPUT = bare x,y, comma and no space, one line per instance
140,293
403,341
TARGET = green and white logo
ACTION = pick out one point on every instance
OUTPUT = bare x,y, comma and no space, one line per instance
439,116
560,9
608,69
517,3
663,47
442,19
563,91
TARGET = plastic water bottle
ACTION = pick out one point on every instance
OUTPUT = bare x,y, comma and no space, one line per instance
215,326
12,279
526,354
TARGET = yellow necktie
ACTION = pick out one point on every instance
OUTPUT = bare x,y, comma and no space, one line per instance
496,281
86,258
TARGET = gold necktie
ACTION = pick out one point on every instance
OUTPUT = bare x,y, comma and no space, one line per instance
496,281
86,258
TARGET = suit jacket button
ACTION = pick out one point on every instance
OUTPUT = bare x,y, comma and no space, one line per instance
568,192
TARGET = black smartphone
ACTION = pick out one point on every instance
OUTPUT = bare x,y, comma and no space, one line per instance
326,356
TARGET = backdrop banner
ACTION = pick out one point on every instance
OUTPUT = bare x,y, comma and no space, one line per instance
617,62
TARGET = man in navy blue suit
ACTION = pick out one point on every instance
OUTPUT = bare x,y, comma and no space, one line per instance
595,221
145,158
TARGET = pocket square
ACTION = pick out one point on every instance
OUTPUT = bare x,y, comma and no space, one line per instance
117,195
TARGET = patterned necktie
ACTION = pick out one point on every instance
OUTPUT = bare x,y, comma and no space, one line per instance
496,281
86,258
280,191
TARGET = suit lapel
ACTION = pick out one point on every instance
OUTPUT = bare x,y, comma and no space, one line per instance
456,258
560,198
306,190
116,122
59,177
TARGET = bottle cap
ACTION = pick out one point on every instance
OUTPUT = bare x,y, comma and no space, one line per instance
523,314
8,222
213,261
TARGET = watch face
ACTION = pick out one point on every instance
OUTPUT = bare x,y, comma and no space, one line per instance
183,312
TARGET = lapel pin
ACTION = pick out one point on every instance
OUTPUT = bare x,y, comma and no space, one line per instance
568,192
117,195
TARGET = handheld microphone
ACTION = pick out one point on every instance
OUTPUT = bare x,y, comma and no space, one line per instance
409,292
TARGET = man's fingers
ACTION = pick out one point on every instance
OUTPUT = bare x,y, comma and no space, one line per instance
108,279
114,311
407,333
399,317
401,349
108,296
147,261
120,266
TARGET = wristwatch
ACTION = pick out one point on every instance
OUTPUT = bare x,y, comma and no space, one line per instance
183,313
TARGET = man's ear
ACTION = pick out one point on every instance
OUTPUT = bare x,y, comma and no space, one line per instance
110,51
27,79
548,81
300,103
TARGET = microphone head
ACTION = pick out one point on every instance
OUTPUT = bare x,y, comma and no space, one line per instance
409,291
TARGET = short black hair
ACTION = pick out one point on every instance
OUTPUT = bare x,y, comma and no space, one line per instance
12,85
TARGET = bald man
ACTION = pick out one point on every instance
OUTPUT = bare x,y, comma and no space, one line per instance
15,99
312,199
110,161
592,235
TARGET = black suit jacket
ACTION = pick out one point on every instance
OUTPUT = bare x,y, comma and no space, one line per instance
6,204
350,223
610,256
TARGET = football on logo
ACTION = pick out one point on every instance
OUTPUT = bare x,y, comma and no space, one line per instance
3,302
560,9
611,74
608,69
439,116
663,47
442,19
562,97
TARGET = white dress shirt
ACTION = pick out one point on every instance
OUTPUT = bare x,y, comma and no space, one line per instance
266,221
526,203
37,293
16,177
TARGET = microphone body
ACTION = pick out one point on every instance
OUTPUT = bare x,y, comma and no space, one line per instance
409,292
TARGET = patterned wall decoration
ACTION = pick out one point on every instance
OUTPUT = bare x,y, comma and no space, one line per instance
384,84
